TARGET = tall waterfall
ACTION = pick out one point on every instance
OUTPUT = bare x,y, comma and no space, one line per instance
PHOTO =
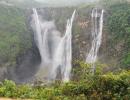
41,38
55,51
63,55
97,26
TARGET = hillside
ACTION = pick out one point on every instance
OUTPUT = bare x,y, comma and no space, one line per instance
21,58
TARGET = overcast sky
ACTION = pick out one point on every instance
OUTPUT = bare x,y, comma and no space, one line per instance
64,1
52,2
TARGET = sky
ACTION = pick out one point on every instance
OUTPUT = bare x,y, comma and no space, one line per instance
64,1
52,2
61,1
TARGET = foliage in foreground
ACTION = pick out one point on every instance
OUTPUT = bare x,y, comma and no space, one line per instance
101,87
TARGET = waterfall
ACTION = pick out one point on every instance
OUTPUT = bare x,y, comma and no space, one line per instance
55,51
97,26
63,54
68,49
41,38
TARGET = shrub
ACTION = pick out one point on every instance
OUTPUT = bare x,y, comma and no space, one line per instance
8,89
103,87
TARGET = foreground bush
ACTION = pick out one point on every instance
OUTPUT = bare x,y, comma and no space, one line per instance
102,87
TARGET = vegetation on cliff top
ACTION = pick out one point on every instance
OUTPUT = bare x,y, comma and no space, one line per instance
14,35
118,24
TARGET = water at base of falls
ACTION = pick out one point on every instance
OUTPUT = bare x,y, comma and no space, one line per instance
55,51
97,26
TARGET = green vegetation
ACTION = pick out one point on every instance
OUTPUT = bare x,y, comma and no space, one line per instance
100,87
108,3
119,29
85,86
14,39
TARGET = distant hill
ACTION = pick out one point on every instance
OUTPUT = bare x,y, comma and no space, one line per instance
23,3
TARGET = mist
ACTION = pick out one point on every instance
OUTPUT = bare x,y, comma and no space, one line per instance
45,3
65,2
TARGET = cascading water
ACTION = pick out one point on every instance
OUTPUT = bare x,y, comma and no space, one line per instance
55,50
63,55
41,37
97,26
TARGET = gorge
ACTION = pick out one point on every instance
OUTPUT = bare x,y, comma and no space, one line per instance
56,51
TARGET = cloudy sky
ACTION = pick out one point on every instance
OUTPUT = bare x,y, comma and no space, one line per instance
64,1
49,1
52,2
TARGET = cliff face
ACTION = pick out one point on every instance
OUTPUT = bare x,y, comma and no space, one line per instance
25,62
22,48
81,30
25,56
16,43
